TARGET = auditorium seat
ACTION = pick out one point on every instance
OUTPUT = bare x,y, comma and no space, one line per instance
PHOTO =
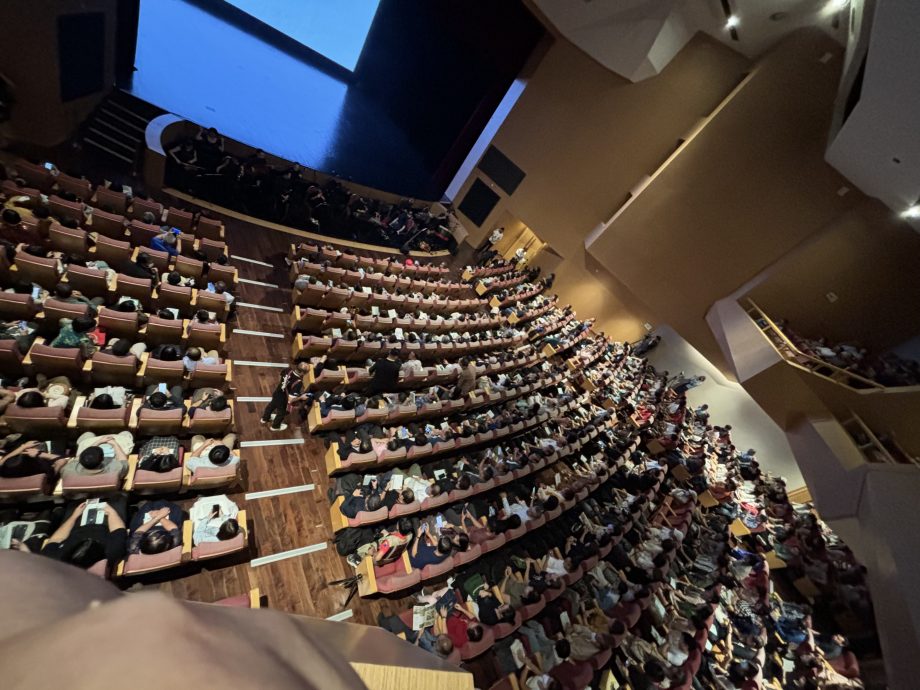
55,309
53,361
179,218
61,209
141,563
210,336
211,375
84,418
149,482
141,206
109,198
140,289
111,225
210,423
72,241
37,269
162,331
209,228
209,550
10,357
36,175
118,323
211,301
114,251
91,282
160,371
36,421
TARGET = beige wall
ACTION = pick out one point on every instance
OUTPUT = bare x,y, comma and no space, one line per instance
29,59
748,188
584,137
869,261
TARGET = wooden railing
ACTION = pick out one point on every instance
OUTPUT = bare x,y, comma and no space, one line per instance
793,355
875,449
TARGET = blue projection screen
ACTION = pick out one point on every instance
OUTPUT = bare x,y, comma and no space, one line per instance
336,29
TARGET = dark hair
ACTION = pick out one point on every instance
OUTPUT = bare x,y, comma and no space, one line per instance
87,553
143,259
82,324
513,522
41,212
655,670
229,529
121,347
91,458
11,216
202,315
563,649
374,502
551,503
174,278
474,632
404,526
463,542
31,399
218,404
464,482
444,545
219,455
156,540
103,401
157,400
63,290
407,495
193,353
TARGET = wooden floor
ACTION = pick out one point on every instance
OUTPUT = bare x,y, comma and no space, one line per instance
291,521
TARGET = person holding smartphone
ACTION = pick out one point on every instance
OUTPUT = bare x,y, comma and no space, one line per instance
85,545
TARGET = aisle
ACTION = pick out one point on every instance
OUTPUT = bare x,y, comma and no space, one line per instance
284,472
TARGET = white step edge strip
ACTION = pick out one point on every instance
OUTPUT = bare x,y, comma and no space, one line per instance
265,560
257,282
252,261
272,442
259,306
280,492
264,334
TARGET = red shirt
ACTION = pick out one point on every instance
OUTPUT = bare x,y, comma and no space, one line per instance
457,625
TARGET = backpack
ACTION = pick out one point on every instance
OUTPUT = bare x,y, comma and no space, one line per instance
350,540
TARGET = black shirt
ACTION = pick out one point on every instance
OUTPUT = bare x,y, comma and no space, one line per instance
385,375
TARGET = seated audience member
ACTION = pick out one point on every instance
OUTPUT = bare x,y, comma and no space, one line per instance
156,527
195,356
208,398
65,293
91,533
166,353
166,242
28,460
142,267
100,455
156,399
159,452
25,530
53,392
428,551
211,453
76,333
214,519
122,347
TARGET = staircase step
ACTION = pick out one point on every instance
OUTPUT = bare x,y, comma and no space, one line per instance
121,119
105,148
112,141
127,111
116,130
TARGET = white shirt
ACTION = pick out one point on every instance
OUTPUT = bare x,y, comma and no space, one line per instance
496,236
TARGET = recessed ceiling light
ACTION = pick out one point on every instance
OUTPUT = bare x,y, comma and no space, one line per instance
837,5
731,22
912,212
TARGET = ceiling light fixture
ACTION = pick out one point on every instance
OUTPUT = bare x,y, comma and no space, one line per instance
731,22
912,212
837,5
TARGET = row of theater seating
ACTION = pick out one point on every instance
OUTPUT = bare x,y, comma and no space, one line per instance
304,347
473,272
137,481
364,518
327,297
43,181
516,297
350,258
143,420
137,564
313,320
357,378
629,613
353,278
94,283
482,287
343,419
400,575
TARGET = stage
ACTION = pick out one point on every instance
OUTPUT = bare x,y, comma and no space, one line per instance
400,122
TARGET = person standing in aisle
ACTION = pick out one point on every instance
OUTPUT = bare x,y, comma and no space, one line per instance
290,391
